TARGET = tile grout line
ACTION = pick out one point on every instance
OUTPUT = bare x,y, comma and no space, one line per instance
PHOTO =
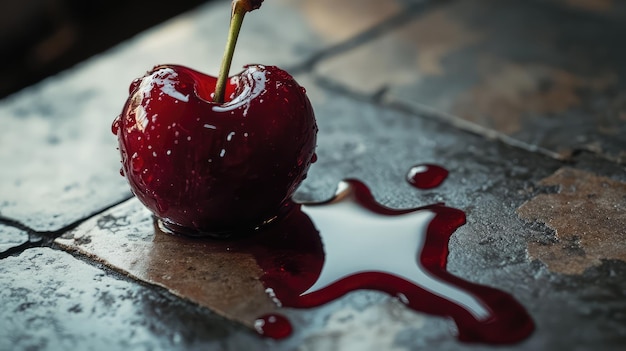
380,98
407,14
458,123
16,250
46,238
469,127
119,274
423,111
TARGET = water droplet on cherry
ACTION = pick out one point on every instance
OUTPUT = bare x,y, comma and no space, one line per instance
134,85
146,176
136,163
115,127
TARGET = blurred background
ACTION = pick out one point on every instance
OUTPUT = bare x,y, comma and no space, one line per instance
39,38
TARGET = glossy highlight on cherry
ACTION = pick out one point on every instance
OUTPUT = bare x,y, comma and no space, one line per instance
319,252
215,169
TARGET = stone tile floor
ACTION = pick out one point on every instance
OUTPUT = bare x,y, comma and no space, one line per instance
522,101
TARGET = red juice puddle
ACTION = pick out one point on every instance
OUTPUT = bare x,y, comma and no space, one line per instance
273,325
320,252
426,176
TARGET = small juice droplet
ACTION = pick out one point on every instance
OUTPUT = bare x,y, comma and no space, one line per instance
115,127
426,176
351,242
273,326
135,83
137,163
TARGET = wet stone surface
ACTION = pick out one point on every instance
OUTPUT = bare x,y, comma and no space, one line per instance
122,284
52,301
126,239
487,180
505,70
335,22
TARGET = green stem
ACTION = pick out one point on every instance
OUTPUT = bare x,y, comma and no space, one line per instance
235,26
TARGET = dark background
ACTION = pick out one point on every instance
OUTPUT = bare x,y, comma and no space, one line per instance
39,38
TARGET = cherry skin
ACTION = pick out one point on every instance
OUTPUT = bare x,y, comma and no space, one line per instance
206,168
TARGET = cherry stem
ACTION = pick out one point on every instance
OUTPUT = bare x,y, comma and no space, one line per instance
239,11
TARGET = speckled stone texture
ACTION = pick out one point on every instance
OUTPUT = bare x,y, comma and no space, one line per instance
487,180
126,239
393,84
52,301
588,216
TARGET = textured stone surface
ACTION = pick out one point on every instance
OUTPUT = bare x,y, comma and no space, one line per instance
52,301
11,237
59,156
126,239
588,216
503,69
337,21
487,180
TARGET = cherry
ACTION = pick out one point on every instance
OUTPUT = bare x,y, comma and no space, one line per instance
208,167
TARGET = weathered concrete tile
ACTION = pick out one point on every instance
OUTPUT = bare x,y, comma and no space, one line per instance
59,159
336,21
206,273
52,301
393,60
11,237
487,180
373,328
527,71
126,239
588,216
56,148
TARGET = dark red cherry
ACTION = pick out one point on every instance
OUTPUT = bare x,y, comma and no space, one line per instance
209,168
